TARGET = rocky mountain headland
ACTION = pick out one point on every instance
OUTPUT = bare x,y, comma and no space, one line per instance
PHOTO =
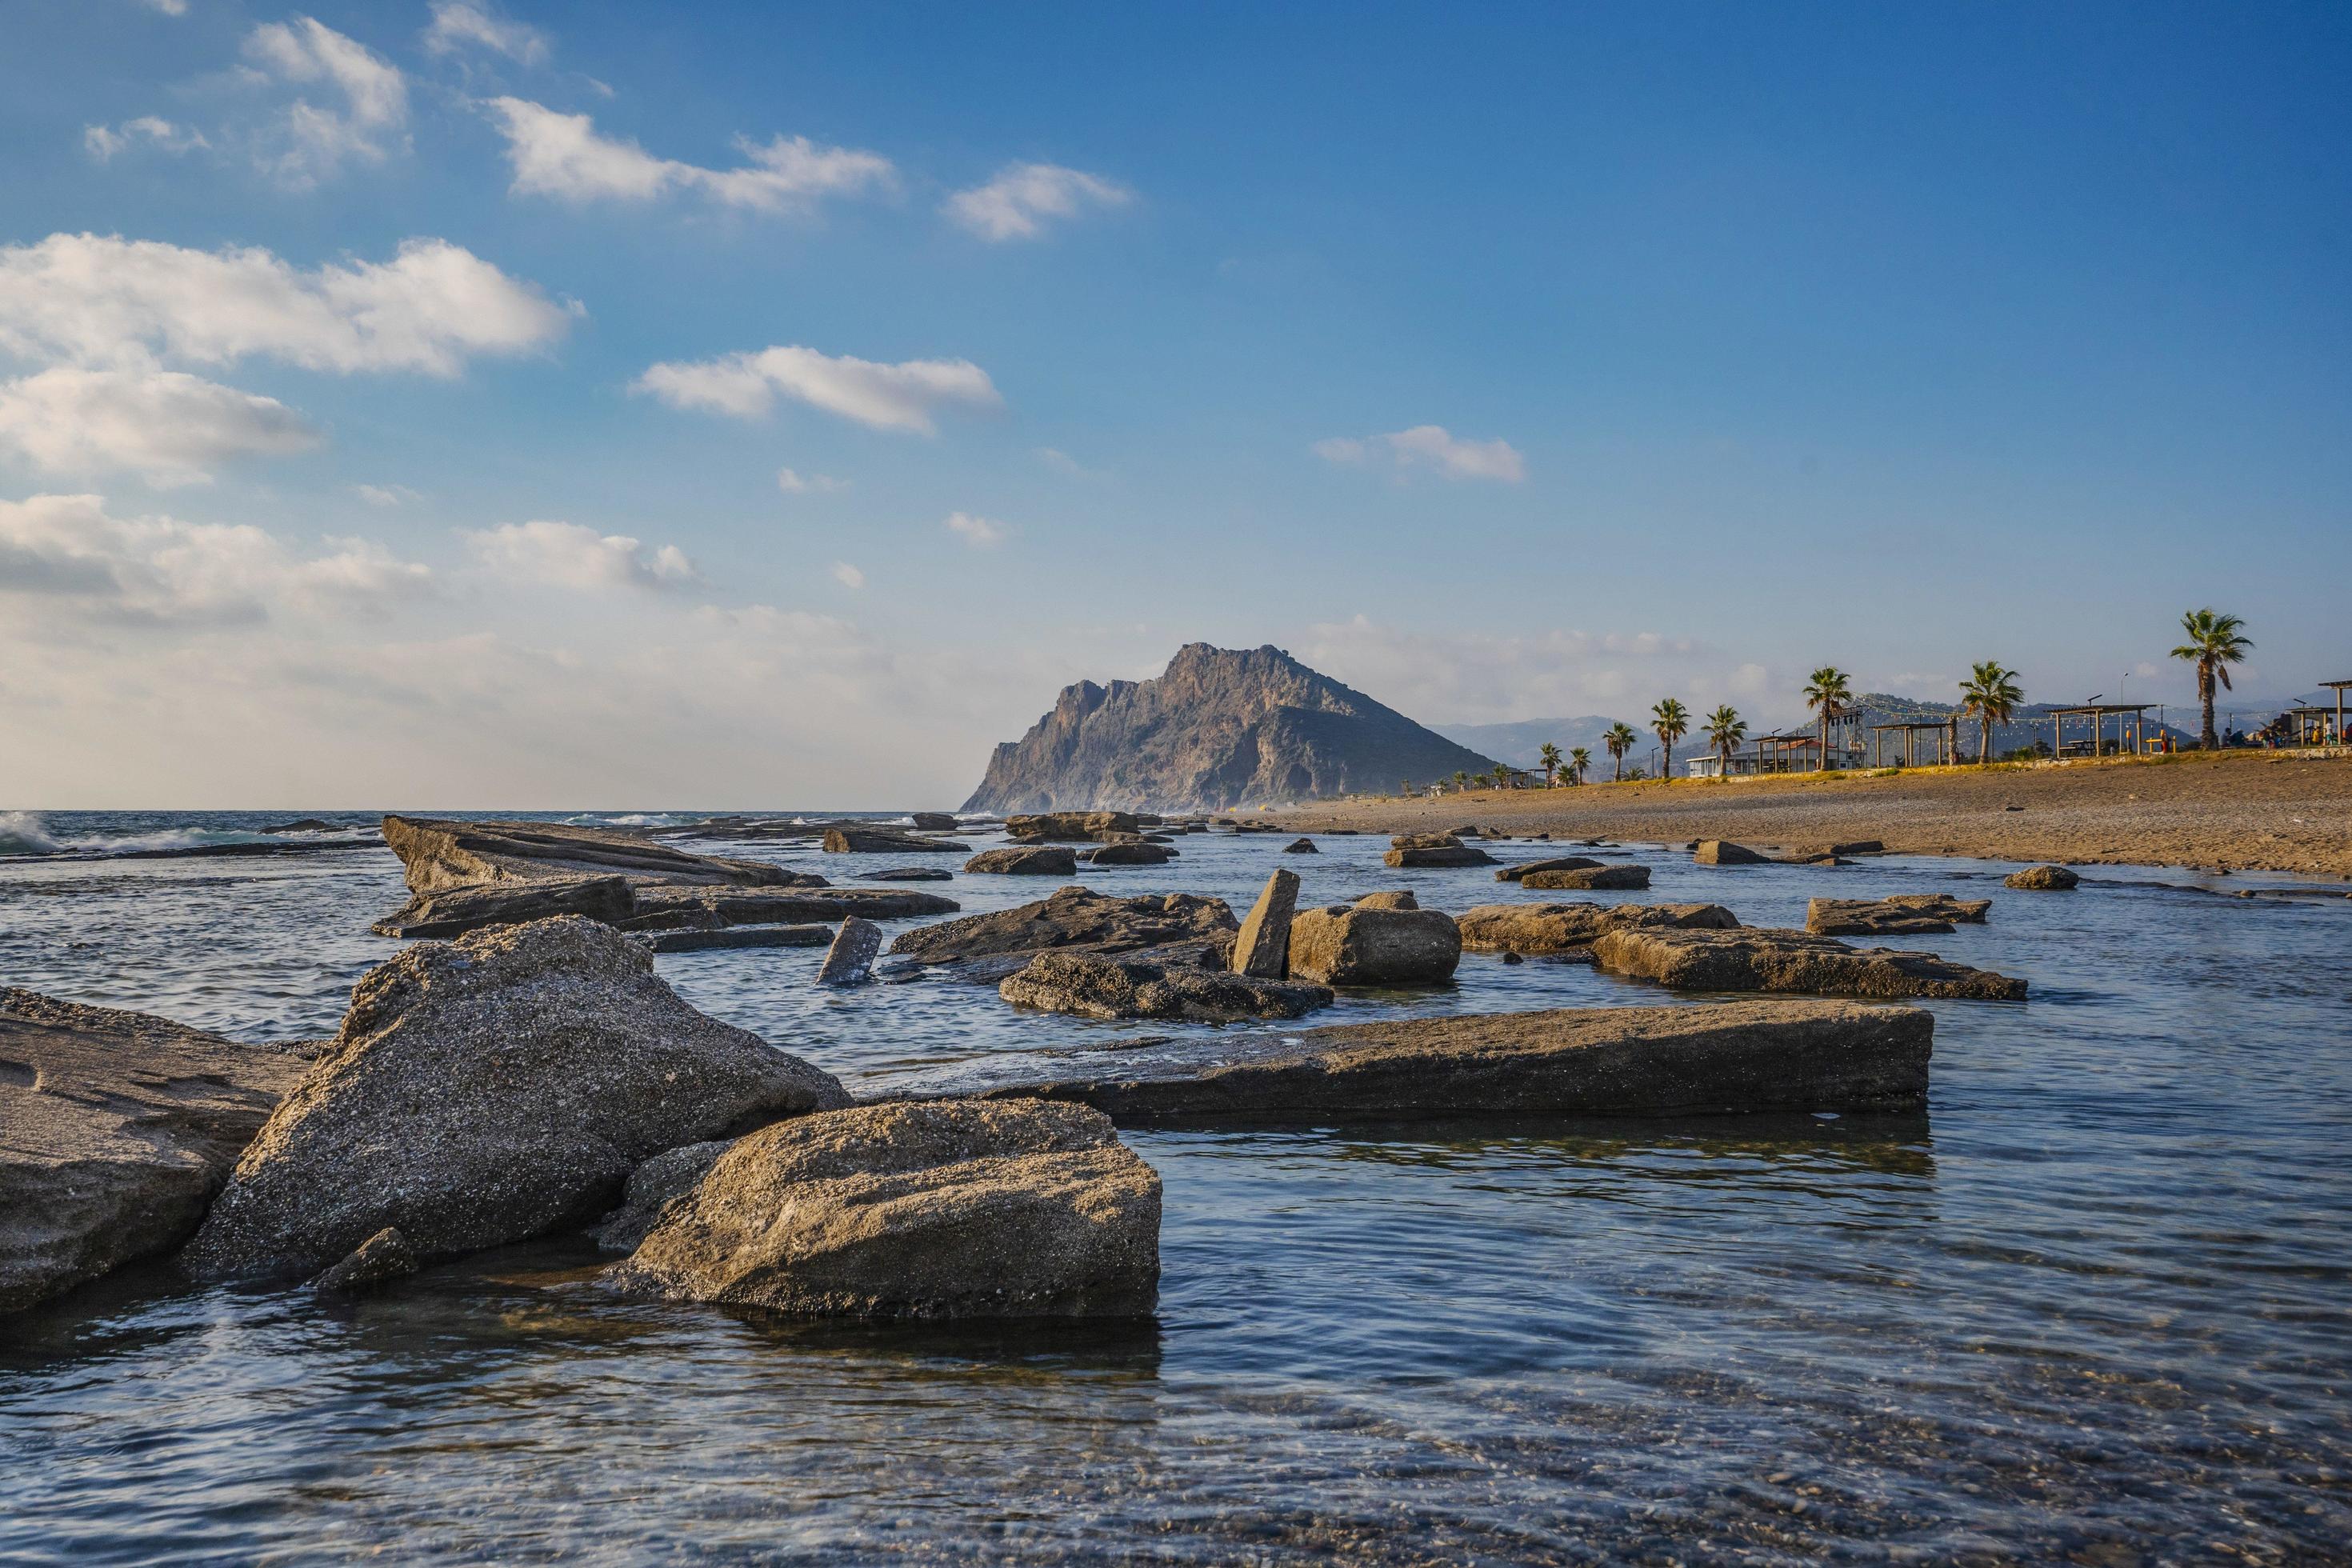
1220,727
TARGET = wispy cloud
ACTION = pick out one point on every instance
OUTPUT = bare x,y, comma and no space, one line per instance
793,482
848,576
1430,446
569,555
104,142
387,495
311,143
885,396
558,155
460,26
979,532
1022,198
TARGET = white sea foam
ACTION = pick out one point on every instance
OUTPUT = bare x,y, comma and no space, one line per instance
24,833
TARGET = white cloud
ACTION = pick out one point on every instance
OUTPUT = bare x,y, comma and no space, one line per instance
172,427
979,532
848,576
559,155
571,556
886,396
457,25
69,549
1016,204
386,495
168,8
793,482
86,296
311,143
1431,447
105,142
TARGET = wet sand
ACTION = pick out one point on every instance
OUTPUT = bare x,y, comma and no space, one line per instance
2239,811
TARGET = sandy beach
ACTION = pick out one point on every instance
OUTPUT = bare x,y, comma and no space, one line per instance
2235,810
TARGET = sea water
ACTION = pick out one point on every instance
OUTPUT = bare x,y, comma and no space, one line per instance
2094,1305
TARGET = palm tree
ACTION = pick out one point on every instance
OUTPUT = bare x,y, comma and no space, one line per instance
1548,755
1992,694
1670,720
1726,728
1579,760
1404,786
1461,780
1827,691
2215,643
1620,738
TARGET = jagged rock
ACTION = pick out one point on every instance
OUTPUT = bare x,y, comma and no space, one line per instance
850,960
1904,914
1075,917
907,874
1558,863
1039,861
1563,928
670,909
884,841
1351,944
1460,854
934,822
651,1187
1094,986
2043,879
1263,948
699,941
1220,728
488,1089
1073,826
1722,852
453,911
1300,847
437,853
1401,898
1789,961
1727,1056
1597,878
1135,854
373,1264
1010,1209
116,1129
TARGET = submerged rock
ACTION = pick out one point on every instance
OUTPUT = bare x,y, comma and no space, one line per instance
1010,1209
490,1089
1748,960
737,937
1563,928
1263,948
1904,914
1730,1057
116,1131
1556,863
850,960
1300,847
1722,852
1076,917
376,1262
1592,879
1351,944
1035,860
934,822
1438,855
710,908
453,911
908,873
1095,986
884,841
2043,879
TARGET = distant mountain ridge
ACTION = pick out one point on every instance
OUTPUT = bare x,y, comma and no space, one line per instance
1520,743
1220,728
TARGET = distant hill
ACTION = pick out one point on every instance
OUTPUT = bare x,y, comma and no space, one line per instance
1519,743
1219,729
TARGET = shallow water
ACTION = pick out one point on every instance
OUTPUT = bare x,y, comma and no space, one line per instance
2091,1307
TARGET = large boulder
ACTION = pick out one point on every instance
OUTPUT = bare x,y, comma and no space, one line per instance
1025,861
934,822
1073,826
1722,852
1010,1209
1904,914
1438,855
1263,948
2042,879
1094,986
1729,1057
453,911
1565,928
1556,863
1768,960
1587,879
1352,945
485,1091
1136,853
862,840
437,853
116,1131
1075,917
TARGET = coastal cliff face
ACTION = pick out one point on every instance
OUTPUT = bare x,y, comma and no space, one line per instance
1221,728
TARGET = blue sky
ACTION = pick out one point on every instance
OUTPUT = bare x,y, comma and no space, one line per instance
1504,362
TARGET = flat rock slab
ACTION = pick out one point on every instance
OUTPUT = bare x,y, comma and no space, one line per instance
1008,1209
1094,986
1025,861
1749,960
453,911
1138,853
1723,1058
884,841
438,853
1075,917
1438,855
1075,827
908,873
712,907
116,1131
1358,944
1597,878
1565,928
738,937
1904,914
1558,863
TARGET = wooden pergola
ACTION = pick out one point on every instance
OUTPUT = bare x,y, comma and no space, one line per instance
2339,688
1946,731
2129,731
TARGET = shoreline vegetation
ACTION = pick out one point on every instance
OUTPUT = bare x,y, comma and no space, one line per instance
2221,811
